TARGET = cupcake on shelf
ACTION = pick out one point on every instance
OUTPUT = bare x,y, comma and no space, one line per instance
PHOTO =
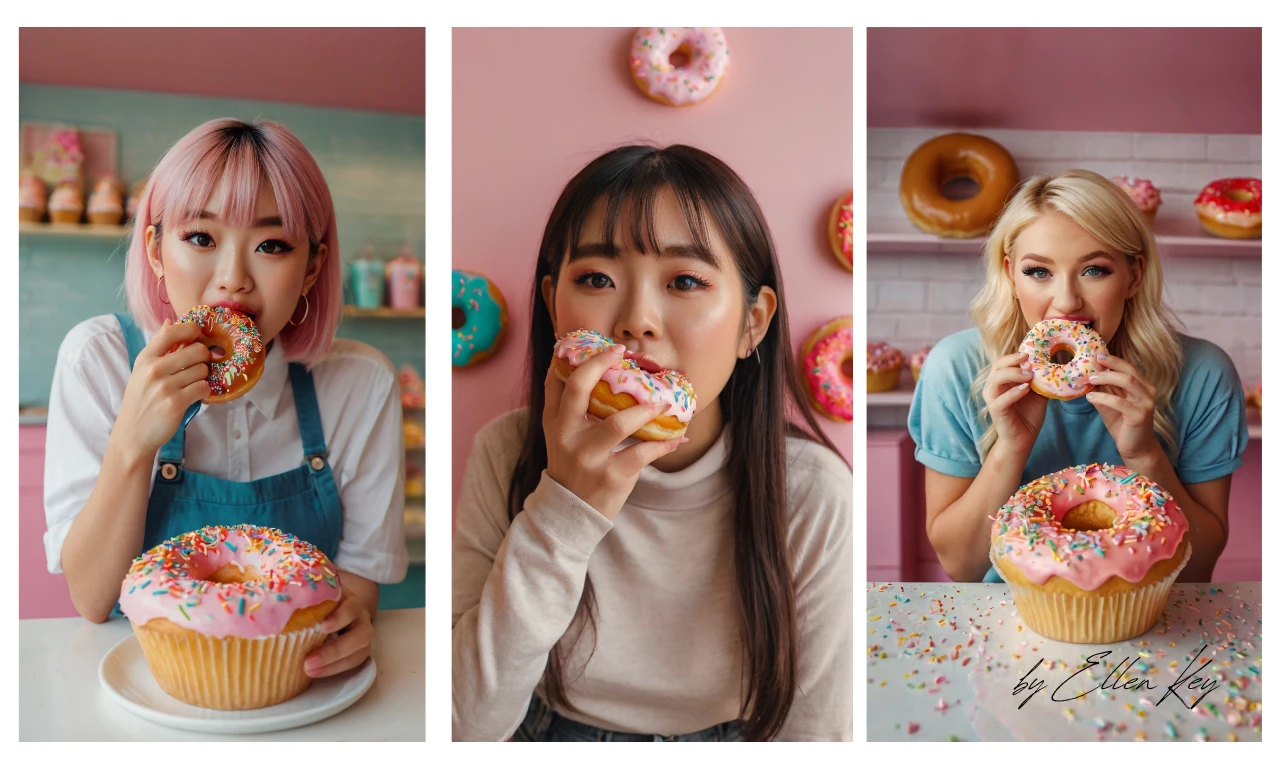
106,203
131,205
31,196
412,388
1143,193
66,205
415,435
917,361
415,484
884,366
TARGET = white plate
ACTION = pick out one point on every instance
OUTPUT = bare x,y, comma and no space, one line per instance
128,681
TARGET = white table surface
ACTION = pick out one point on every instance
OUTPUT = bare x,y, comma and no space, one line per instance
944,659
60,697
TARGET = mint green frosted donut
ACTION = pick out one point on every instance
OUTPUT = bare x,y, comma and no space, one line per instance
480,318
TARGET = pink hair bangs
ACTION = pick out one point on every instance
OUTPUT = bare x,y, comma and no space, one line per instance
245,154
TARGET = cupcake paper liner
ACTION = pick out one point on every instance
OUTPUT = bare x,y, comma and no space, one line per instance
230,673
1092,619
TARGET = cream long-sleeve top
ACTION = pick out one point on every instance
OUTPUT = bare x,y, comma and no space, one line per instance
668,652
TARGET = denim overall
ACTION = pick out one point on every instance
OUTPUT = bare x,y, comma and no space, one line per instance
303,501
542,724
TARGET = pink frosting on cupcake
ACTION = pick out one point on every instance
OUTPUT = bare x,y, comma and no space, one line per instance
1141,191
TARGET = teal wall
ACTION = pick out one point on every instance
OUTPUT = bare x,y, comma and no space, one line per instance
374,163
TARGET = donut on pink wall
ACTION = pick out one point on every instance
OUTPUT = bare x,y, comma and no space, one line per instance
678,66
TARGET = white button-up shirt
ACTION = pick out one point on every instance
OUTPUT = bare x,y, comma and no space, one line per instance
252,437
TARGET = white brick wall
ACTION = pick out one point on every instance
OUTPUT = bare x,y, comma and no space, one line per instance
915,299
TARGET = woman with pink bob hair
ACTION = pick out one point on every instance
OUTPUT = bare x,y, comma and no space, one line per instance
236,215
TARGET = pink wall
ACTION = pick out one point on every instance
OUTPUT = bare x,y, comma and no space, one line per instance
1155,80
532,106
373,69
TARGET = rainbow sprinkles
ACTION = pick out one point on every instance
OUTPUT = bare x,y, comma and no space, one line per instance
170,581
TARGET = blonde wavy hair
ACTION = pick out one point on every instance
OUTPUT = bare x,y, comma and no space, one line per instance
1147,336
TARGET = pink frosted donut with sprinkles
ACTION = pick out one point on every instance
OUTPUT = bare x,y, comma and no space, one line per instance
227,615
636,379
706,61
827,362
1062,381
241,366
1090,553
1035,533
186,580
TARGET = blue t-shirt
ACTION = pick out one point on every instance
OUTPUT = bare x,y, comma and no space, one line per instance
1208,409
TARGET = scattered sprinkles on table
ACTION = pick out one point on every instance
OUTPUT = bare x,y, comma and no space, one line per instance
965,645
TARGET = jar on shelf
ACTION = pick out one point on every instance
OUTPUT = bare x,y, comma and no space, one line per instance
404,276
367,279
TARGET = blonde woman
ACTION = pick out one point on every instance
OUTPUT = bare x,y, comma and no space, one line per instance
1167,405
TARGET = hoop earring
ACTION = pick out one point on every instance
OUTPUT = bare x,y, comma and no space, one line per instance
305,312
158,282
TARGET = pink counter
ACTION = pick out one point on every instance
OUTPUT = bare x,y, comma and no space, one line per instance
40,594
898,548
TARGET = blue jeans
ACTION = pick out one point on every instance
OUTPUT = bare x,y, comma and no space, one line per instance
542,724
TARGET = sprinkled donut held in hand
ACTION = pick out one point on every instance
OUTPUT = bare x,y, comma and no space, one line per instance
840,231
1231,208
479,318
1090,552
823,359
627,384
1062,381
241,366
651,67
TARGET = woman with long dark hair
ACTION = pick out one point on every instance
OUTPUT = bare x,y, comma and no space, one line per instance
692,589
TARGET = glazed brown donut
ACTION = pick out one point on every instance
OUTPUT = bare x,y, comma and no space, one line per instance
953,156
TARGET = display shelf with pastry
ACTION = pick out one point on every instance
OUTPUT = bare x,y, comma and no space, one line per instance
1177,238
106,231
352,311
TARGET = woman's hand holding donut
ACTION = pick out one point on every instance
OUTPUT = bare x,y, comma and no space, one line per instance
350,647
1016,412
1126,401
580,455
161,388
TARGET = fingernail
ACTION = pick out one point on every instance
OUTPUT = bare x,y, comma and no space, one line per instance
684,439
1093,376
1089,396
1024,385
618,348
1102,355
